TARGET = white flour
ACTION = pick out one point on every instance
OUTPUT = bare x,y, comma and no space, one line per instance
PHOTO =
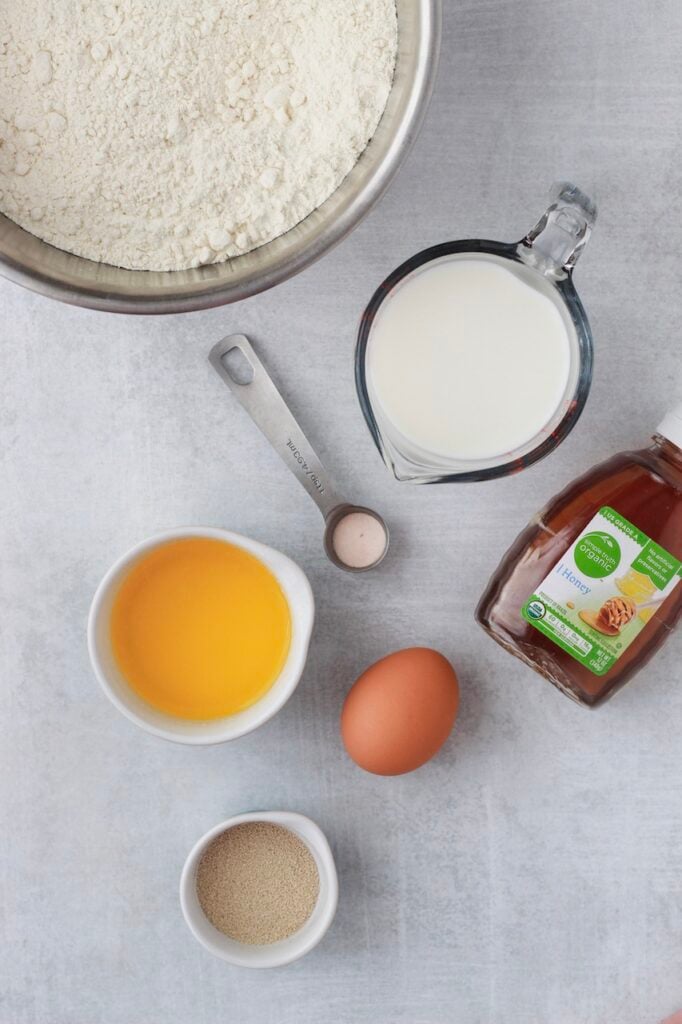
164,134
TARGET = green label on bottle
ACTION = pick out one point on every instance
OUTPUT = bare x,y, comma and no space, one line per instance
602,594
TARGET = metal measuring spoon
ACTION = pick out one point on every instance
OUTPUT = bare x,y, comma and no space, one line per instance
241,369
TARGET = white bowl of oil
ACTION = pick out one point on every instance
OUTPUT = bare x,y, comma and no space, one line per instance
154,717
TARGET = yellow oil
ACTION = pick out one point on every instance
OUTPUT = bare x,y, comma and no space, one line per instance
200,628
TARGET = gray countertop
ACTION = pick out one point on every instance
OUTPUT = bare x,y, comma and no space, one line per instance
532,874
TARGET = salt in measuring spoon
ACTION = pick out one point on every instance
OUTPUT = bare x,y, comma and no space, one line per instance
355,538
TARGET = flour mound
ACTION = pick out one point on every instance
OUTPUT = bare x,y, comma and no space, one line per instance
162,135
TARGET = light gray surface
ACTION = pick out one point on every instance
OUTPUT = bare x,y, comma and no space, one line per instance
533,873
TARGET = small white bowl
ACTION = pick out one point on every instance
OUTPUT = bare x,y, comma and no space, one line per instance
276,954
299,596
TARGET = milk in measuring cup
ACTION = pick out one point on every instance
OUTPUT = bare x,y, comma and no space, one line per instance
469,357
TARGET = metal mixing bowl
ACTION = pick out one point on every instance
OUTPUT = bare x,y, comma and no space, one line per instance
39,266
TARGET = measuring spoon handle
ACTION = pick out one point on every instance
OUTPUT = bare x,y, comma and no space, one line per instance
250,382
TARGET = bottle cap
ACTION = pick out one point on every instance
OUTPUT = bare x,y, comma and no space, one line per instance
671,426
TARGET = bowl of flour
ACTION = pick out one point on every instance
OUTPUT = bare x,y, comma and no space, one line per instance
158,156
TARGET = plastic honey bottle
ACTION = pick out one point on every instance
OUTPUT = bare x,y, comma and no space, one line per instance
593,586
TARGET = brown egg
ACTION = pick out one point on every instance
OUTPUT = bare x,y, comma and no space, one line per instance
400,711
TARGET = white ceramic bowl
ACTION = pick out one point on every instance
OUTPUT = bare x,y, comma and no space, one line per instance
285,951
297,590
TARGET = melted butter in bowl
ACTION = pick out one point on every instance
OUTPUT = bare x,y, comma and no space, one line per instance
200,628
200,635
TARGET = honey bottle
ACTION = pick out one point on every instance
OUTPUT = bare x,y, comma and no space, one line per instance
593,586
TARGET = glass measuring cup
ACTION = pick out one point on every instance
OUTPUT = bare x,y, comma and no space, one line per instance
544,259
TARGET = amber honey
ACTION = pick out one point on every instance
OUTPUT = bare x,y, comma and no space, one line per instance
645,487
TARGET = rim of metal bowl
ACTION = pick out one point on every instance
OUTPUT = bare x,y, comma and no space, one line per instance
36,265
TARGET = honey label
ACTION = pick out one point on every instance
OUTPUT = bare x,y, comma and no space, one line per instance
602,593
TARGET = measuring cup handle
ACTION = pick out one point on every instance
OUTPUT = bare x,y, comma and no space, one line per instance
250,382
555,243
